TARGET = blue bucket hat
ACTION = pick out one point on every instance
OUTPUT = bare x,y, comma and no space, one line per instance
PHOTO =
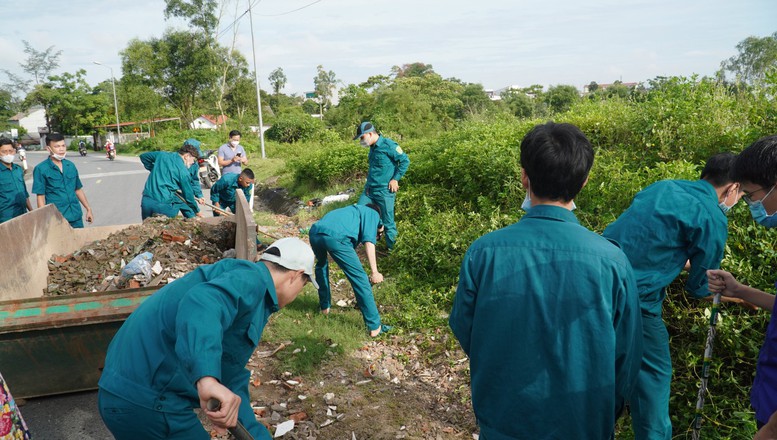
194,143
364,127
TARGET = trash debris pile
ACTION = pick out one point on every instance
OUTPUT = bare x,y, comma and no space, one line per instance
153,253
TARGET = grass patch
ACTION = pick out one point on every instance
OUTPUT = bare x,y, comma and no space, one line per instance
318,337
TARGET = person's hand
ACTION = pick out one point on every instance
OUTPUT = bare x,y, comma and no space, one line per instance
199,214
201,200
393,186
89,216
769,430
226,416
720,281
376,278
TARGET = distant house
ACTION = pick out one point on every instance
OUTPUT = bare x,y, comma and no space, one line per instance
31,120
496,95
209,122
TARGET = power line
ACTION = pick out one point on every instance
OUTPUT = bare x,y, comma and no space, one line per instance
234,22
289,12
254,3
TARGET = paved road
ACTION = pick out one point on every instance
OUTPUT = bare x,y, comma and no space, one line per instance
113,189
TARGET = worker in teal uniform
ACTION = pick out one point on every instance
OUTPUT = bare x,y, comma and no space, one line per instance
169,175
190,342
194,170
338,233
755,169
14,198
387,164
223,192
546,310
669,223
56,181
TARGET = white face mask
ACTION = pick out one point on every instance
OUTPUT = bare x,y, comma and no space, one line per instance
234,143
364,143
7,159
59,156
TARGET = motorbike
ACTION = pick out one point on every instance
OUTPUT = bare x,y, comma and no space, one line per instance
82,149
110,151
23,157
209,168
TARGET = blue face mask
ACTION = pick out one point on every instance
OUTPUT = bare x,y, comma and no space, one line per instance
526,205
723,207
758,211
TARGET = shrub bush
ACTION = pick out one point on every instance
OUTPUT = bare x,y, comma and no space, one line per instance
294,127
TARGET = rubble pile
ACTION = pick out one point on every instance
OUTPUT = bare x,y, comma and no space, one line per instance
177,246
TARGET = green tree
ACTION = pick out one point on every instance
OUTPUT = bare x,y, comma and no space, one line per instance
138,101
39,65
171,65
73,106
324,83
475,99
412,70
561,97
756,57
278,80
200,13
519,103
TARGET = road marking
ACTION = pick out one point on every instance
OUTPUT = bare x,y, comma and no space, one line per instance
112,173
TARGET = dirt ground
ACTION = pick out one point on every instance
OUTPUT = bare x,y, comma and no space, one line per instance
388,389
394,387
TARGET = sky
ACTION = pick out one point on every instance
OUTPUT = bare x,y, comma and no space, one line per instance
496,43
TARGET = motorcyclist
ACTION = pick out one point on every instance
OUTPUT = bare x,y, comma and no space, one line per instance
82,147
108,147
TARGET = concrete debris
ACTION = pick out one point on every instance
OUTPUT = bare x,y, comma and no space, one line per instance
96,266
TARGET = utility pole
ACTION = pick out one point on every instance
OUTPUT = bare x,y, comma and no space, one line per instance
115,102
256,78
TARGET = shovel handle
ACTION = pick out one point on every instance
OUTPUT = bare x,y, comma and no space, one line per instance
240,432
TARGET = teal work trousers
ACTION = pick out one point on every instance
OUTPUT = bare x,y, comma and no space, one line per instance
650,401
343,253
385,200
128,421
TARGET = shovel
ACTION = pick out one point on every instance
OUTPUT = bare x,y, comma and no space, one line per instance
215,208
240,432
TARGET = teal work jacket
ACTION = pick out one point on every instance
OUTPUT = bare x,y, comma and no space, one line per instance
13,192
207,323
357,223
59,187
548,313
387,162
168,175
668,223
224,190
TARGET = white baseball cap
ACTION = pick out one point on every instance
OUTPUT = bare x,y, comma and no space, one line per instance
293,254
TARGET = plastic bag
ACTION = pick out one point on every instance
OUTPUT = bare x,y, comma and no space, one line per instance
140,265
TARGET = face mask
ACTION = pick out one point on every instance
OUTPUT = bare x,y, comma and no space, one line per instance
7,159
723,207
234,143
526,205
758,211
58,156
364,143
